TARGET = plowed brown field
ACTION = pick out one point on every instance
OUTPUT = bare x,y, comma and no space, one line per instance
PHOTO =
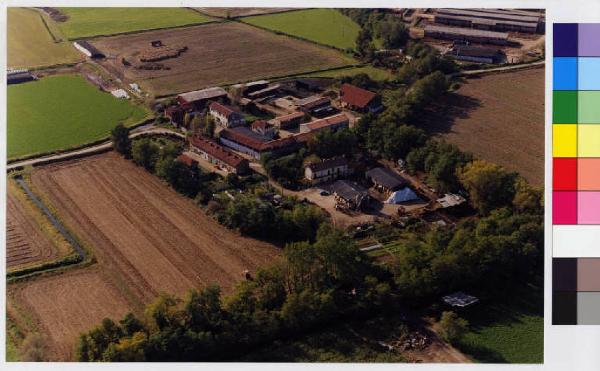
146,238
219,53
26,244
64,306
144,232
499,118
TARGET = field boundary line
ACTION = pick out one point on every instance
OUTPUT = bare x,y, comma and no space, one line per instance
101,147
187,25
280,33
248,16
275,78
56,40
82,255
102,140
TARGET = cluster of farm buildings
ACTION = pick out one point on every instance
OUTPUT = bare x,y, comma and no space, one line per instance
298,109
477,35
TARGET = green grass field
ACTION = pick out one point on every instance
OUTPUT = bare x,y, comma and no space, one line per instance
509,332
87,22
325,26
31,45
58,112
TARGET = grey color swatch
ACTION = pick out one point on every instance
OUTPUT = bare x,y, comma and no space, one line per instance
588,308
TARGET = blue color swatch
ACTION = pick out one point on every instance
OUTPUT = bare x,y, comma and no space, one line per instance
565,73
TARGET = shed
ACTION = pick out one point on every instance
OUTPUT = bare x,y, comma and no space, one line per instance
384,179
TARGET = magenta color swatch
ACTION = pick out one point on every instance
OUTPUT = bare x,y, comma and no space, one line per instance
588,208
564,207
589,40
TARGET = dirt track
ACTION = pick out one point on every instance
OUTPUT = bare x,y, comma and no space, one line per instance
26,244
217,54
145,233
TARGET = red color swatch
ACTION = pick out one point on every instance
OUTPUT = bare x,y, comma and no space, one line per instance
565,174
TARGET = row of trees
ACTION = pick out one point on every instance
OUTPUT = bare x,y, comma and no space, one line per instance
256,217
313,284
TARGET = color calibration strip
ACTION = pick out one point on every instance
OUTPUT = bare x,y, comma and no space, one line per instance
576,174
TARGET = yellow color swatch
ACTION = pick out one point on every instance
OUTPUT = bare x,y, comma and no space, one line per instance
589,140
564,140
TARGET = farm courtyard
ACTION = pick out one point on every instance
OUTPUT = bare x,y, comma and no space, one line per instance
58,112
146,238
500,118
217,54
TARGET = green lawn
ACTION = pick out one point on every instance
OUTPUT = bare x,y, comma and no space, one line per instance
59,112
325,26
31,45
87,22
510,332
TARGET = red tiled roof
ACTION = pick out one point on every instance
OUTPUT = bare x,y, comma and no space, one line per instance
260,124
216,151
186,159
326,122
290,117
356,96
254,143
222,109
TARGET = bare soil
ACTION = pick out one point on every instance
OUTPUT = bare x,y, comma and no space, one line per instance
26,244
218,53
498,117
146,234
63,306
146,239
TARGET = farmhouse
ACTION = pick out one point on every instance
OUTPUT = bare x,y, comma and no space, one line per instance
349,195
326,170
475,54
384,180
358,99
246,141
293,120
331,123
226,116
88,49
199,98
466,34
216,154
263,128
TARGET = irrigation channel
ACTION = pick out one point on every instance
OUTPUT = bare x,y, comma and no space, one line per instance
55,222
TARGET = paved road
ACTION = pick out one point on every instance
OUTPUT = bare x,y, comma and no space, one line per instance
142,130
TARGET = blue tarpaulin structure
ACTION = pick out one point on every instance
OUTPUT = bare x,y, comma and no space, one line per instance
404,195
